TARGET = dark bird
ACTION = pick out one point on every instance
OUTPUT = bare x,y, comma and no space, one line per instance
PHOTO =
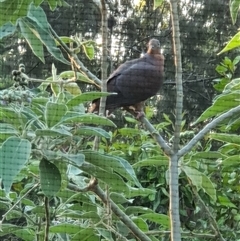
134,82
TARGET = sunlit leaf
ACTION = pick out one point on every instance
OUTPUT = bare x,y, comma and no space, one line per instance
232,44
157,3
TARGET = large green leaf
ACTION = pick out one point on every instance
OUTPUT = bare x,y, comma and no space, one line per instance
7,29
29,33
114,181
92,131
26,234
89,49
234,8
200,181
230,138
65,228
76,118
142,225
7,130
232,44
54,113
233,85
11,10
50,178
53,132
87,96
14,153
87,234
37,19
221,104
153,161
80,76
11,116
157,3
157,218
117,164
232,161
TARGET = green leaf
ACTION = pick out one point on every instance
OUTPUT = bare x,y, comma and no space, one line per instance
232,44
38,20
72,88
7,130
106,175
87,234
78,159
232,161
105,233
50,178
54,113
73,118
233,85
14,153
84,97
80,76
223,200
130,131
208,187
52,4
230,138
7,29
157,3
26,234
136,210
142,225
207,155
11,116
153,161
92,131
234,8
200,181
53,132
89,50
221,104
117,164
65,228
29,33
157,218
11,10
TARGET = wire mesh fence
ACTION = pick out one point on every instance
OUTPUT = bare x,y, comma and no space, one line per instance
72,170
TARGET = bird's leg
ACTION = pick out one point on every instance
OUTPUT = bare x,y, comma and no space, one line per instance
109,114
136,110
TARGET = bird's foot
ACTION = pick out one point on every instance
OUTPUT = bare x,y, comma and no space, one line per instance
139,114
110,115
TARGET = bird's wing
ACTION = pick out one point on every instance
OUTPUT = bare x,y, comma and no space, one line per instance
123,67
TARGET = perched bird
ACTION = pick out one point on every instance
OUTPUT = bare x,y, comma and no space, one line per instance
134,82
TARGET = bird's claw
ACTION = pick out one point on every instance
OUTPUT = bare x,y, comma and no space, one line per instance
139,114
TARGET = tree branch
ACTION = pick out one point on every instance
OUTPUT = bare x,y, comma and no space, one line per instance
157,137
206,129
75,58
94,187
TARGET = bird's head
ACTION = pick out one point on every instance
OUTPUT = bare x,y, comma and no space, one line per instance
153,46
